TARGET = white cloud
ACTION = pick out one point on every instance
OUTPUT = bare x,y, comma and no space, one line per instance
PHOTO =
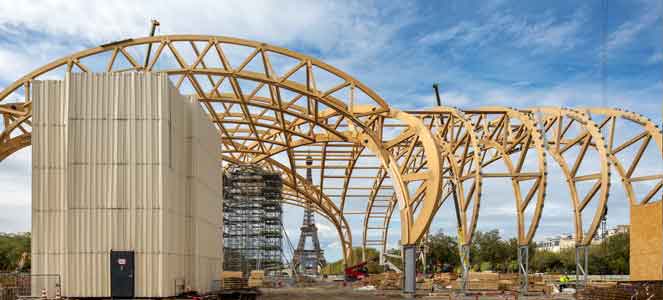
319,24
624,34
549,34
12,63
346,34
444,35
656,58
544,33
629,30
15,194
103,20
23,56
448,98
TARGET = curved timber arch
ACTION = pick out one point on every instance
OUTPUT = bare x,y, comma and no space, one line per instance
638,142
276,107
416,156
460,147
568,135
225,81
478,138
267,103
512,137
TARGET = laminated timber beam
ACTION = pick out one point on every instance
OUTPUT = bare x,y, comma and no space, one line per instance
475,139
568,135
632,170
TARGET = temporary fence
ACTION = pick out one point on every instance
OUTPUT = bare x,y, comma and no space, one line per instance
26,285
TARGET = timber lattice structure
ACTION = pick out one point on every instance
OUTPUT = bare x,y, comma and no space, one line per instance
276,107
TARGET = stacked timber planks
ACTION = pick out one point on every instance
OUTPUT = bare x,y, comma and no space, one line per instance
256,279
232,280
444,279
480,281
508,281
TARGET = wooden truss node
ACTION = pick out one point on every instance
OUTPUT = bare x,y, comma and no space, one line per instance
275,107
474,139
577,145
631,146
510,137
460,148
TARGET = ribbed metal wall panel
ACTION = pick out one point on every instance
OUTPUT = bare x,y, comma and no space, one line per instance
204,182
49,139
123,162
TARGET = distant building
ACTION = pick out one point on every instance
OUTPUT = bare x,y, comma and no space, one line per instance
619,229
565,241
556,244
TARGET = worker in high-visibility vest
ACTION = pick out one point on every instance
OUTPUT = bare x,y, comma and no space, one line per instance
563,281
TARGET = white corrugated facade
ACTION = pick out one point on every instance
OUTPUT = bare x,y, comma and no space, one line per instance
124,162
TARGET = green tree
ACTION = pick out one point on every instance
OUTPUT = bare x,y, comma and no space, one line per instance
546,261
444,250
618,249
489,252
500,253
568,258
12,247
609,257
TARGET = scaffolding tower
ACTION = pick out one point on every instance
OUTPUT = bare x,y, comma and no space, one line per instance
252,219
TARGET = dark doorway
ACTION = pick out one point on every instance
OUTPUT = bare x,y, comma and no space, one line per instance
122,274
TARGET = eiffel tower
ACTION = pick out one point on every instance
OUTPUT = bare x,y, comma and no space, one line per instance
308,261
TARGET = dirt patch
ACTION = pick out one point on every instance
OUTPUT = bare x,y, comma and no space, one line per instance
324,293
339,291
346,293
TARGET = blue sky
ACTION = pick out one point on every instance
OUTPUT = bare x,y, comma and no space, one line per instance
519,54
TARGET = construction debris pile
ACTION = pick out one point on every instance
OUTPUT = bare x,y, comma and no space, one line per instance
622,291
478,281
384,281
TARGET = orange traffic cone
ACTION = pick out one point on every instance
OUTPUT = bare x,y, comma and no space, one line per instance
43,294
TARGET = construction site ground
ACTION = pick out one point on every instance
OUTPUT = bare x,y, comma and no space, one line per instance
342,293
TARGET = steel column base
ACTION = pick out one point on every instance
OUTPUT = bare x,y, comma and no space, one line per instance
410,266
465,262
582,265
523,267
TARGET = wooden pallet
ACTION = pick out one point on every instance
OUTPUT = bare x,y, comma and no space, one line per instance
234,283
